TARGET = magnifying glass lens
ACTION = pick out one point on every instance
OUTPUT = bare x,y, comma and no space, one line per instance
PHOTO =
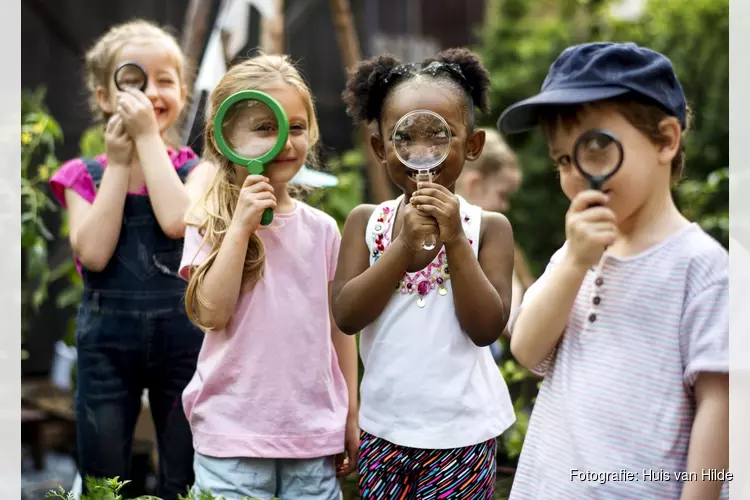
422,140
130,75
250,128
598,154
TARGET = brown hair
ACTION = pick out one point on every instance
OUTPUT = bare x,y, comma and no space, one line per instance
641,113
213,212
495,156
99,61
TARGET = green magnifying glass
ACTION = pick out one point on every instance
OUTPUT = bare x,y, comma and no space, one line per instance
251,129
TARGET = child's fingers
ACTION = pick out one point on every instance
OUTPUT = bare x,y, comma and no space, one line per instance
125,102
586,199
112,122
137,96
434,190
432,210
265,204
254,179
259,187
422,200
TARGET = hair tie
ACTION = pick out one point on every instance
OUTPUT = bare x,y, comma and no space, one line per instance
399,71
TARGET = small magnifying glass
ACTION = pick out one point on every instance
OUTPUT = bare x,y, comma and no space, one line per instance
422,141
251,129
131,75
598,155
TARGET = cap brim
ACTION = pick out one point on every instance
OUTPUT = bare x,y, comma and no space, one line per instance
523,115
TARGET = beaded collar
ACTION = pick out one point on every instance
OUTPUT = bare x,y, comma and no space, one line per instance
422,283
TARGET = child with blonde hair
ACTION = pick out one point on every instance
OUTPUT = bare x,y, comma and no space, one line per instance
126,213
273,403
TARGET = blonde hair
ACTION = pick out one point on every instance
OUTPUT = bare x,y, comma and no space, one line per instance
99,61
495,156
214,210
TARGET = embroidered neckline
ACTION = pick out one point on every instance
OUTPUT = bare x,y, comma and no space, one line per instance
425,281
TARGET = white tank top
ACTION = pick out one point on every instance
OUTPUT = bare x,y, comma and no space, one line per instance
426,384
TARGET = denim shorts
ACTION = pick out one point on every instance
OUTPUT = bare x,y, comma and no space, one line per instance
267,478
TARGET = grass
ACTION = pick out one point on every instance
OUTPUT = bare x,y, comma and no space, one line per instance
109,489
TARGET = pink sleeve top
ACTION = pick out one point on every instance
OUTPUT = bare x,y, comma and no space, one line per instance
74,175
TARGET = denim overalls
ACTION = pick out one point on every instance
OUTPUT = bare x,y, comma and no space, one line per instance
133,333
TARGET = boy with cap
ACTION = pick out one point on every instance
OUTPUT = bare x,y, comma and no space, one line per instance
629,322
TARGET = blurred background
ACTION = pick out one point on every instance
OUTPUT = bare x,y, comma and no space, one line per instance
517,39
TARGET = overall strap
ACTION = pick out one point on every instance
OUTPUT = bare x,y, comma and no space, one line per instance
187,167
95,170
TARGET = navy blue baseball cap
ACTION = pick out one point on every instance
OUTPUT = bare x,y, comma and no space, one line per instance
601,70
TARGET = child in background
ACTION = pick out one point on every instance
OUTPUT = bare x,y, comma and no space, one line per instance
433,401
629,322
273,403
126,213
489,182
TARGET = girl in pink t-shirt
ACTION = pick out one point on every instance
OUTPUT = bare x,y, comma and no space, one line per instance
126,213
273,403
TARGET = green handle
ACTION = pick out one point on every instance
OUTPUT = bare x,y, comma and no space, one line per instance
267,217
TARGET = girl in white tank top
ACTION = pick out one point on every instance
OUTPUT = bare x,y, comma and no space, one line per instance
432,399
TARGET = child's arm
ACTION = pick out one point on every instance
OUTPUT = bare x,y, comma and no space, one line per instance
95,221
168,195
705,350
361,291
222,282
544,315
482,286
709,439
346,352
95,227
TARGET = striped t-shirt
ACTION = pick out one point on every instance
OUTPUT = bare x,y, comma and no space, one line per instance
614,414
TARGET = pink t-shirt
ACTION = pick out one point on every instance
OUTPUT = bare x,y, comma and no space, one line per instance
269,385
74,175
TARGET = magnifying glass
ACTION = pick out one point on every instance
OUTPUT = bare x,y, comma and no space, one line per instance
251,128
422,141
131,75
598,155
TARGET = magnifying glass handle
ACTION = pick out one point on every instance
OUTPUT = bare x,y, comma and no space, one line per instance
431,240
267,217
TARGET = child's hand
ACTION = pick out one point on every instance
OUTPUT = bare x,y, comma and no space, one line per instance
435,200
256,195
589,230
417,226
137,113
346,462
119,145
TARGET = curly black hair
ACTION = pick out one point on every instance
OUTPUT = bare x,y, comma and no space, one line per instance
372,80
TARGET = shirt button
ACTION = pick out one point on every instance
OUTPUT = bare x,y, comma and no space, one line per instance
592,317
597,300
599,281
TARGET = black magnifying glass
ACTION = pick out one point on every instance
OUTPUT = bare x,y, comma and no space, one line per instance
131,75
598,156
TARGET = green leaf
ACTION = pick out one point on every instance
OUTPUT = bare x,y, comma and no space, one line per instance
37,263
